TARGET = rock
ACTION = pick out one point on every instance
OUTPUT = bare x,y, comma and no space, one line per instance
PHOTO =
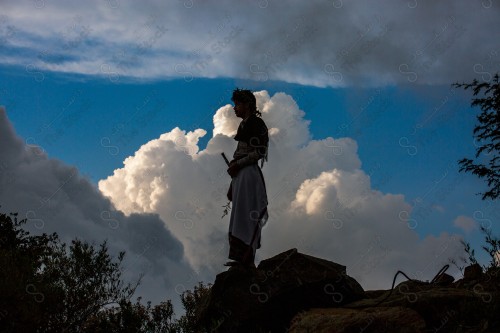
267,298
477,281
307,294
491,279
473,272
317,281
444,280
444,309
370,320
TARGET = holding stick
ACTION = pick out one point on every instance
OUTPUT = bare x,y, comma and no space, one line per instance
225,158
229,195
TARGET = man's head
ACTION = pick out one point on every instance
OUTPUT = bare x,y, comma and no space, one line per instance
244,103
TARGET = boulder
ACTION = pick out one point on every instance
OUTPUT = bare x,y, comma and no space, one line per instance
444,279
267,298
297,292
473,272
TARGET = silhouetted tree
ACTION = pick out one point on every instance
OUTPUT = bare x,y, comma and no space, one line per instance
134,317
487,138
192,301
486,133
46,286
22,292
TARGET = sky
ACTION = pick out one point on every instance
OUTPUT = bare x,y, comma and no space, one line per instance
114,115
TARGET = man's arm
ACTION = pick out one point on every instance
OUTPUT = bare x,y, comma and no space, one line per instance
260,143
253,157
233,168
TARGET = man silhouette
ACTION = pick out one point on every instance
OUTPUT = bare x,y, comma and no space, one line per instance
248,190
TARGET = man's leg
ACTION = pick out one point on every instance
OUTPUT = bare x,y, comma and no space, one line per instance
241,252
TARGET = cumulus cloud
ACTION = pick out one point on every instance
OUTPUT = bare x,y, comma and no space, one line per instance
321,200
466,223
55,197
323,43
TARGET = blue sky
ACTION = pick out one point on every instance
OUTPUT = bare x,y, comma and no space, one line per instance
95,124
93,87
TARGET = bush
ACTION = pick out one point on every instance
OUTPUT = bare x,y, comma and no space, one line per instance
46,286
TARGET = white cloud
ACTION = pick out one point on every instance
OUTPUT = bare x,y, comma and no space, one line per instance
54,197
321,201
467,224
323,43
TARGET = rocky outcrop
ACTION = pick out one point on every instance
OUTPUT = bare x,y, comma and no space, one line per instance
295,292
266,299
471,305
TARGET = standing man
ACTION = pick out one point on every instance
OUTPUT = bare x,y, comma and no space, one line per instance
248,190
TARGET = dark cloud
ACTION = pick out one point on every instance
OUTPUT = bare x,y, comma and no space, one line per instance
54,197
324,43
370,43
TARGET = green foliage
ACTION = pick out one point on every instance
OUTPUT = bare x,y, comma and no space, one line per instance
227,208
486,133
50,286
46,286
492,247
22,287
192,301
470,252
464,261
487,139
134,317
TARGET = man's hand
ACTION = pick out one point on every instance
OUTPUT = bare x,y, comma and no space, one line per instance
233,168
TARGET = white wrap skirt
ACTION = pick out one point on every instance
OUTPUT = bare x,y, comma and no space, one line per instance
249,206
